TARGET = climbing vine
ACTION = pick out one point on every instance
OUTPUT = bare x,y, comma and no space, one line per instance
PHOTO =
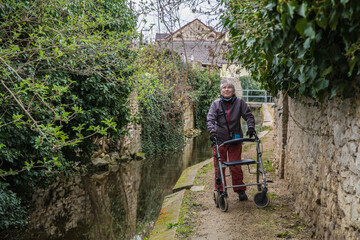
159,84
304,48
205,86
163,84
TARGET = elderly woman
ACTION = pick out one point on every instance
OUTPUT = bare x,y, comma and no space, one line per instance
223,122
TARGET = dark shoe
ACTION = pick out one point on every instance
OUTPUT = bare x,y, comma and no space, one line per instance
242,195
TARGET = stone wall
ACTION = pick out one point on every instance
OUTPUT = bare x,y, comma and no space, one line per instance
188,115
318,153
131,143
101,203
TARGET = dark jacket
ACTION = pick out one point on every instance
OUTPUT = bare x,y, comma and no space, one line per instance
234,110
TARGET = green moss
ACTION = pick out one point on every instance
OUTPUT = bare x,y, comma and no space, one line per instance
186,225
268,166
285,234
200,178
273,196
246,147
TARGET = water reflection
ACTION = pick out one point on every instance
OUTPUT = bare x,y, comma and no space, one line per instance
160,173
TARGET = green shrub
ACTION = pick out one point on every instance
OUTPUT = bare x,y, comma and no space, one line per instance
64,79
249,83
302,48
64,82
12,213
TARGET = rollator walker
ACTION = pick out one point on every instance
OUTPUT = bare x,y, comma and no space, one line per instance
261,198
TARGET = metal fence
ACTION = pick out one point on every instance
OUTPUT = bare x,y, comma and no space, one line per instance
253,95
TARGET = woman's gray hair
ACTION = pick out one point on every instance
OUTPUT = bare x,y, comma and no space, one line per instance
226,82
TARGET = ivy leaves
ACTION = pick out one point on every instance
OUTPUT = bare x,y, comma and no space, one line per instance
305,28
305,48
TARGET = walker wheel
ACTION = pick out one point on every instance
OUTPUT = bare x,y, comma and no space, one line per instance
216,199
261,199
223,203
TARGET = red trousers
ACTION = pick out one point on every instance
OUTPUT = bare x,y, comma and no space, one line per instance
234,153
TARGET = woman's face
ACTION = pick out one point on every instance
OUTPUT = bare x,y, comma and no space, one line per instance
227,91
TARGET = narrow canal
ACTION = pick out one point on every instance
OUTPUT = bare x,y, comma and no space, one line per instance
160,174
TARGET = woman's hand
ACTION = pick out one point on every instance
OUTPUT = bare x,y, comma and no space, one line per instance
250,132
213,137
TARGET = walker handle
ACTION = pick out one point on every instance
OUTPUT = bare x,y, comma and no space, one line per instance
238,140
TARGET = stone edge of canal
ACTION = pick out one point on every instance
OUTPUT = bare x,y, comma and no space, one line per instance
171,206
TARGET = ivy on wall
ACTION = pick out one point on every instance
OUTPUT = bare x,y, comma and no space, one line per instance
162,81
205,86
160,86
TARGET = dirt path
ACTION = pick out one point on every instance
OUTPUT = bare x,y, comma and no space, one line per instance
200,219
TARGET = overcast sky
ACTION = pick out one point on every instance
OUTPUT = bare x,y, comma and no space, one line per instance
186,15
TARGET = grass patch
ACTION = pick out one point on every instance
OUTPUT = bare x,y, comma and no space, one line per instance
172,225
200,178
285,234
299,224
264,128
190,207
204,170
186,223
246,147
272,196
268,167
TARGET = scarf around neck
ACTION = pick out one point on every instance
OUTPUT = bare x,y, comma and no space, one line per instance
228,100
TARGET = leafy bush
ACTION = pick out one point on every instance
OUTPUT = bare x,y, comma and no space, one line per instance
12,214
162,83
303,48
64,77
64,82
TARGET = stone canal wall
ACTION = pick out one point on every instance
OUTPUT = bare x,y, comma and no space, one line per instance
318,153
101,205
102,202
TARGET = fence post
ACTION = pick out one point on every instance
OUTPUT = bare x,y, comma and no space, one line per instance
265,96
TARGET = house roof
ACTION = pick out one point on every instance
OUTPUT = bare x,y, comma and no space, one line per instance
189,23
160,36
208,53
